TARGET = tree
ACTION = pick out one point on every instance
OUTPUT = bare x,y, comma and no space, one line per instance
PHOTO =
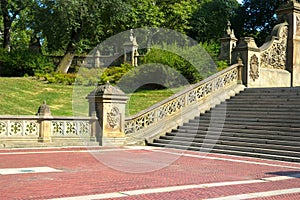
145,13
256,18
10,10
210,19
178,14
76,25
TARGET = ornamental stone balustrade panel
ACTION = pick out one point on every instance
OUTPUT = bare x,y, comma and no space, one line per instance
31,130
152,122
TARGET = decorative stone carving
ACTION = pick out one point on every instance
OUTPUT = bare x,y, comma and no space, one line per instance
274,56
228,43
70,128
113,118
298,25
254,70
179,102
19,128
3,128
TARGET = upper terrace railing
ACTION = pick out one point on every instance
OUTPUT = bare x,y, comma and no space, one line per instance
176,104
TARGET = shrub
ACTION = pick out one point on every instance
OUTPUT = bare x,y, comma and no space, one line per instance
114,73
213,49
58,78
190,61
24,62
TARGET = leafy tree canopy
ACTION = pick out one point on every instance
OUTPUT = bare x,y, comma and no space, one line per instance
256,18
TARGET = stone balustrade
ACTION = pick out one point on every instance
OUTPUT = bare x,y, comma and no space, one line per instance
174,109
18,130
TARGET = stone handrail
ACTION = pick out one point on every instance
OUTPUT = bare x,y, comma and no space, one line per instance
175,104
42,128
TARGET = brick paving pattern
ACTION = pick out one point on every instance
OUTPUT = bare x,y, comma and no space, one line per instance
83,173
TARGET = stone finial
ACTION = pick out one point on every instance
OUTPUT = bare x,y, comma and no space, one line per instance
44,110
106,89
229,31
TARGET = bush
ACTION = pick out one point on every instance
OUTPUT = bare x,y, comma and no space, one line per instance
114,73
23,62
190,61
213,49
58,78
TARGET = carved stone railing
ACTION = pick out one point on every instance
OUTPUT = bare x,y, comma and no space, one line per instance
32,129
273,53
176,104
266,66
70,127
12,126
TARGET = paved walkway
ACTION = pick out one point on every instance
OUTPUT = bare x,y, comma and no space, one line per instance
142,173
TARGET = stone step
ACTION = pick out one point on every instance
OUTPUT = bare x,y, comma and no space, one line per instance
263,98
230,138
249,120
236,141
230,152
239,135
235,132
238,127
272,90
250,114
257,106
224,108
233,146
263,124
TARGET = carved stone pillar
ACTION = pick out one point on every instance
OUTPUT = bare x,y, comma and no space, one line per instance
290,13
131,50
228,43
97,59
109,103
248,51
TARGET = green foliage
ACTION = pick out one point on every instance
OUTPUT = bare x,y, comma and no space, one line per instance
213,49
178,14
58,78
89,77
210,19
23,62
190,61
81,23
256,18
114,73
12,11
150,12
174,61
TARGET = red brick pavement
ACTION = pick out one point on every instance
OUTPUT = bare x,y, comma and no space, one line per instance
85,173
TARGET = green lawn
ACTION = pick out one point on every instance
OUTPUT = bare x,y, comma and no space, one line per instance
23,96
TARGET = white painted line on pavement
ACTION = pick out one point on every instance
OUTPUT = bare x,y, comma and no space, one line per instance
10,171
175,188
259,194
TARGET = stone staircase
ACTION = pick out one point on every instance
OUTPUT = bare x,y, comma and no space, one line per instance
258,122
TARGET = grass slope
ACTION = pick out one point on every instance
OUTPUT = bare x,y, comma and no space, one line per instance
23,96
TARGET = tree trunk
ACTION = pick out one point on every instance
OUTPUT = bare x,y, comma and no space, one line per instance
66,62
7,22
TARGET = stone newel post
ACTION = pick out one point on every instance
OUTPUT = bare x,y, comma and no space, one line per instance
45,118
109,103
